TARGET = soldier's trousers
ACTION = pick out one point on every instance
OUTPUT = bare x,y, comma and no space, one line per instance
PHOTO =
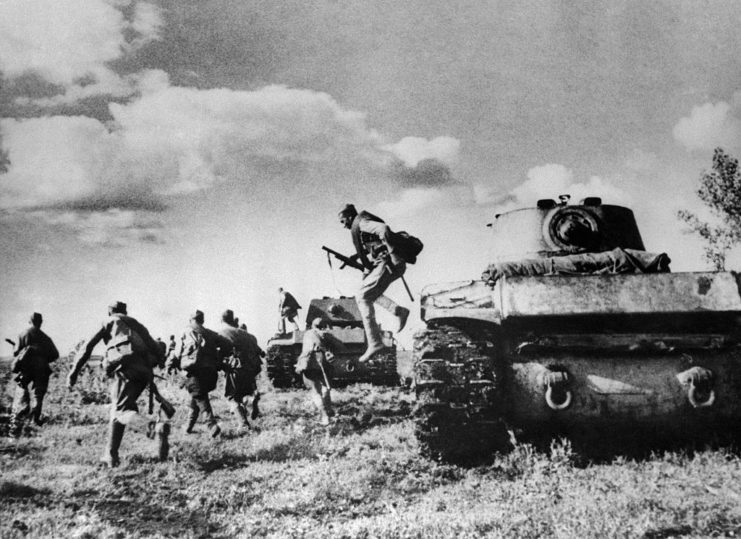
371,291
22,408
199,384
320,393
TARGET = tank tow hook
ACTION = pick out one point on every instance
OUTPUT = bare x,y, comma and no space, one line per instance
699,384
556,384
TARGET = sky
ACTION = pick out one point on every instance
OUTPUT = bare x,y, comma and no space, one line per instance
193,154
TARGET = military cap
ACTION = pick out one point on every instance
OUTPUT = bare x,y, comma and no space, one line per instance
117,307
36,318
348,209
197,316
228,317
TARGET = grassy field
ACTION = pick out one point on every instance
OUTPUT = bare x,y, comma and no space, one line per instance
361,477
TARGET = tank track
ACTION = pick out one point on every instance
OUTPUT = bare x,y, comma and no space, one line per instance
458,410
281,361
384,371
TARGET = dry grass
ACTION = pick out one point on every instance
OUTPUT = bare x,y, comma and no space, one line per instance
363,477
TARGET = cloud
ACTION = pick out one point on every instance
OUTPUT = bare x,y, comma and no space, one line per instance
73,162
416,200
417,161
550,181
711,125
70,44
553,180
412,150
110,228
173,141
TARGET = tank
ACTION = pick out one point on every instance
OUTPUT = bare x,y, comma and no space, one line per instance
575,330
346,325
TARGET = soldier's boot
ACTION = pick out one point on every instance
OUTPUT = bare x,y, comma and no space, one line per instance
162,430
167,408
372,331
192,419
241,412
318,401
213,425
327,403
16,425
115,436
36,411
255,406
401,313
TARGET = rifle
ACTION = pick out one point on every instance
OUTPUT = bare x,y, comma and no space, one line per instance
346,260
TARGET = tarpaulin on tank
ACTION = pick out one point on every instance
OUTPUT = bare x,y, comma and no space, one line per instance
616,261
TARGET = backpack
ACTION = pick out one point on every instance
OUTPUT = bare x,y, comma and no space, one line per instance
193,351
23,359
124,346
407,246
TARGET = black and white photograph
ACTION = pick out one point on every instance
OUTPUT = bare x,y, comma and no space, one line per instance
370,268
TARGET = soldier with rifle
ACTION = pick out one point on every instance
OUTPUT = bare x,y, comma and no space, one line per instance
378,255
131,355
314,363
32,355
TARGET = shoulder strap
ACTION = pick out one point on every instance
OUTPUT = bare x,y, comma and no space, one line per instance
355,232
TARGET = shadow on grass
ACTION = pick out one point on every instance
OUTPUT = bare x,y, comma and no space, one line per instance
10,489
223,461
149,519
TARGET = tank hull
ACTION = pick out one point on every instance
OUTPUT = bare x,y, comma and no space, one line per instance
283,350
592,356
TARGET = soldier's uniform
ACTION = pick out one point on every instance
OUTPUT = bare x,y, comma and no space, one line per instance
243,366
201,379
315,367
288,309
33,352
373,241
131,354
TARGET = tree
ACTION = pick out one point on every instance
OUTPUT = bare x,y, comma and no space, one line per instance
720,190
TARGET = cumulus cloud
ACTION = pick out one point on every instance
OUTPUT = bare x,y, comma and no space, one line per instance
71,43
171,141
415,200
412,150
420,162
550,181
711,125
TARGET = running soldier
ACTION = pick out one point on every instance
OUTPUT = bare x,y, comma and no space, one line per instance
32,355
131,355
241,368
314,365
200,355
375,250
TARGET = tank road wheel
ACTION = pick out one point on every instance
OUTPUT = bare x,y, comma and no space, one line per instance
280,367
458,406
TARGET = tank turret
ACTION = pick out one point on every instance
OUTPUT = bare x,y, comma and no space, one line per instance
552,229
